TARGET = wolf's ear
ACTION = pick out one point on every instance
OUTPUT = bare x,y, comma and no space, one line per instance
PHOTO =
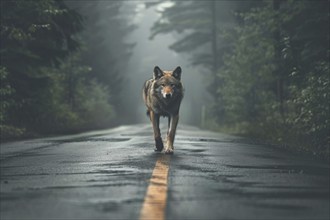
177,73
158,72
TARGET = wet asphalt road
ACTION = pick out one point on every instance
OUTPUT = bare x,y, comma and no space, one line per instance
105,175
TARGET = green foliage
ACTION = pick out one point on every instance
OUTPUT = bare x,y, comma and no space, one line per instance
34,35
72,99
95,108
310,111
49,84
275,78
5,93
247,73
36,32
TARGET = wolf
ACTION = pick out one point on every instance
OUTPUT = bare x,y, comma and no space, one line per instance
162,96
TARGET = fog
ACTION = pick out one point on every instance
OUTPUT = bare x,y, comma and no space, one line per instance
257,68
149,53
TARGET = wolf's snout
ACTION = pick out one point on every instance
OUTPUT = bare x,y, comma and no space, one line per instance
167,96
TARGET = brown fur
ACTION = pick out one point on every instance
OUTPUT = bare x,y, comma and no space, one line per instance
162,95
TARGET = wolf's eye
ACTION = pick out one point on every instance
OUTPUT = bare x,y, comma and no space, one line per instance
163,85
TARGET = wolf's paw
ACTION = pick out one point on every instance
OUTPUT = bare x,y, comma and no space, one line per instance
159,145
169,151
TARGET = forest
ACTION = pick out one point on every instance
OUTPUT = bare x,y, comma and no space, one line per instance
265,64
52,81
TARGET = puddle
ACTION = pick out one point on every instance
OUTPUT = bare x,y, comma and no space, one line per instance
193,168
195,150
111,205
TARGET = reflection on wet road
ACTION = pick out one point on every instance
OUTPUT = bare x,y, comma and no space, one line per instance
106,175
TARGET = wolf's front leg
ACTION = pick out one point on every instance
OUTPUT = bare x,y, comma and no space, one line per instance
155,124
171,134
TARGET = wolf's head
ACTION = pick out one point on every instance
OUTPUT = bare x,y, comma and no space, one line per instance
168,83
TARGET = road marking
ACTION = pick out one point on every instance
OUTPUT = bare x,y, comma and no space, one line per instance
155,200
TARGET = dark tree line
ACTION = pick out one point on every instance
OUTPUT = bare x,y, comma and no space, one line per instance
268,65
59,73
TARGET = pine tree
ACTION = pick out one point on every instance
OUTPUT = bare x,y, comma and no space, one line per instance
34,35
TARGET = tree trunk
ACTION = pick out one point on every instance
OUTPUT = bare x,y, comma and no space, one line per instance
214,37
278,66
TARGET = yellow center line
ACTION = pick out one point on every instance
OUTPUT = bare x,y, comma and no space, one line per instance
155,200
